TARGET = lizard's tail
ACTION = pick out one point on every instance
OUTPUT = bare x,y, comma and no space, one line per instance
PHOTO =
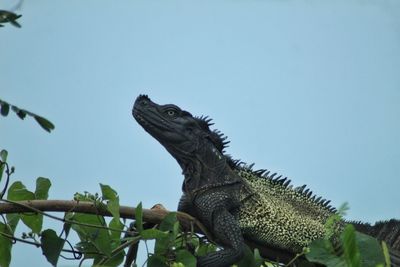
388,231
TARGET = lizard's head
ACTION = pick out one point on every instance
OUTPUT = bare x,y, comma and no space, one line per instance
183,135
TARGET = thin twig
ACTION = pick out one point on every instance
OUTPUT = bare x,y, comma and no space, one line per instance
8,173
38,244
298,255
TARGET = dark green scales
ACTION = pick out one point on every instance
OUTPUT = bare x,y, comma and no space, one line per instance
234,202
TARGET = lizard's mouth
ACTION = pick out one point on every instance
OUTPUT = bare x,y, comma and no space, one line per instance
139,118
150,120
141,112
147,123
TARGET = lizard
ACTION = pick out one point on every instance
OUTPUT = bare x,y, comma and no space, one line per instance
232,200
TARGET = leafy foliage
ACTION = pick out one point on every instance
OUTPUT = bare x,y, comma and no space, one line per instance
109,242
98,240
18,192
355,250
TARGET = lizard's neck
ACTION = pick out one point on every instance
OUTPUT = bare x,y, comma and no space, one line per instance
207,169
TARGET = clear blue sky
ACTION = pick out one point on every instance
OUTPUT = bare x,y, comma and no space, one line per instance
309,89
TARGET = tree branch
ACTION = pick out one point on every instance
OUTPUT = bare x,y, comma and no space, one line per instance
149,215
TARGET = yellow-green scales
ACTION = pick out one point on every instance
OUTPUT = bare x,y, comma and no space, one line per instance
275,213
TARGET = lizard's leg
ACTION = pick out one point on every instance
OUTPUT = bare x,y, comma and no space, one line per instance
226,230
185,205
213,208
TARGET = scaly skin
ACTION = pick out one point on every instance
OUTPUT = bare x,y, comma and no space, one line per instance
234,202
281,216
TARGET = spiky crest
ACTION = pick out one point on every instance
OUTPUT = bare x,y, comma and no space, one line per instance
284,182
217,137
220,143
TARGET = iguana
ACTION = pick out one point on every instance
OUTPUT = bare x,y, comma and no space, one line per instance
233,201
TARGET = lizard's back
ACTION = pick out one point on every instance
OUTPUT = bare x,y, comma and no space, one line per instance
275,213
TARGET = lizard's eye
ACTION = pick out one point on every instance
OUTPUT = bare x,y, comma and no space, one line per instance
171,112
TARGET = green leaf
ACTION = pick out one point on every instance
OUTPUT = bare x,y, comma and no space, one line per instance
115,260
113,200
321,251
370,250
5,246
51,245
20,112
3,155
86,246
100,238
152,234
116,224
108,193
17,191
139,217
156,261
175,229
343,209
351,253
171,226
257,258
46,124
168,223
182,241
386,253
67,226
204,249
42,188
113,207
12,220
248,259
33,221
331,225
4,108
186,258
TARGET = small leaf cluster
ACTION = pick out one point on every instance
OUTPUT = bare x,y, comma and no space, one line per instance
99,240
172,247
9,17
21,113
34,221
177,248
